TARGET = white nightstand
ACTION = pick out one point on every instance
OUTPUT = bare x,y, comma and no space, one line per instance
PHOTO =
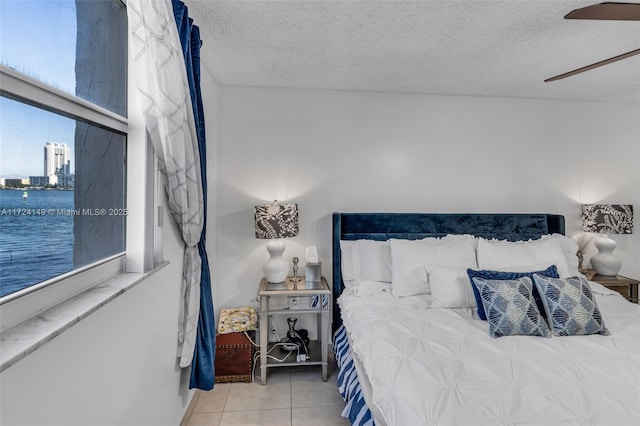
315,298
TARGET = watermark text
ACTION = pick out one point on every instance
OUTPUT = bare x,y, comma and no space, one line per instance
64,212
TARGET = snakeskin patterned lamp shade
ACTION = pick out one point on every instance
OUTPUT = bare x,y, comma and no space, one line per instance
607,219
275,221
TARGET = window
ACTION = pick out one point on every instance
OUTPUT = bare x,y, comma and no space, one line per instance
63,139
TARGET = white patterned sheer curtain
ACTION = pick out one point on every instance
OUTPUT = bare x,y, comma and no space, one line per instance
169,121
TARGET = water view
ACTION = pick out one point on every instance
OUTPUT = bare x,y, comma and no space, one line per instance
36,237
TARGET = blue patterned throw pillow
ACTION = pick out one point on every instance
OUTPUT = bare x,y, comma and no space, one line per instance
510,308
570,305
486,274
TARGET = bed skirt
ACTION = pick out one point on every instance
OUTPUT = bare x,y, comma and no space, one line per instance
348,384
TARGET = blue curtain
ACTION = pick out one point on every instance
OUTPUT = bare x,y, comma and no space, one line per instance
202,372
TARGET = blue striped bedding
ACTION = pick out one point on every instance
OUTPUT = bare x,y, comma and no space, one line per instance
348,384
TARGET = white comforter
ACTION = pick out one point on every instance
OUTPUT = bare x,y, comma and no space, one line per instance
441,367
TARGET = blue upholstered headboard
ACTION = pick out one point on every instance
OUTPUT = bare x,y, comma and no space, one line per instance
412,226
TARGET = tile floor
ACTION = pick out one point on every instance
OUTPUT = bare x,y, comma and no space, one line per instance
292,397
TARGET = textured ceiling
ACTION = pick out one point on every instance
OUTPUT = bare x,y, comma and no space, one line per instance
482,48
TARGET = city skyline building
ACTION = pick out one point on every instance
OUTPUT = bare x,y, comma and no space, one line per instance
57,159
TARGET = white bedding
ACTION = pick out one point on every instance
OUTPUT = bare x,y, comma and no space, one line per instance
440,366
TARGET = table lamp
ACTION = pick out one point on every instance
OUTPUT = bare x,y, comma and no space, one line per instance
607,219
275,221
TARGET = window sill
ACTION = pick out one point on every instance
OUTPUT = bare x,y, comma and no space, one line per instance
23,339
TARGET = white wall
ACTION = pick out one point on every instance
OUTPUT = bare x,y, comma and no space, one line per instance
353,151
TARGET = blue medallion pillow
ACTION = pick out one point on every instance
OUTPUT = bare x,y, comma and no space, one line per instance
510,308
551,271
570,306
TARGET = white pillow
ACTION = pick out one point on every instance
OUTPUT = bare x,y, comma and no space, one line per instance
374,258
346,260
412,260
365,261
522,256
450,288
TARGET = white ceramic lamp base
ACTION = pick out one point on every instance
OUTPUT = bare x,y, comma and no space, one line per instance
276,269
605,263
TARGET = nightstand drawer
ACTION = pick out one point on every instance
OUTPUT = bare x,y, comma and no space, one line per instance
301,302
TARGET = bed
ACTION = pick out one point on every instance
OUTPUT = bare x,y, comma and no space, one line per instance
412,355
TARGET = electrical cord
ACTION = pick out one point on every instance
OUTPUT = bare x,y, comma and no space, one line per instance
297,335
249,337
275,345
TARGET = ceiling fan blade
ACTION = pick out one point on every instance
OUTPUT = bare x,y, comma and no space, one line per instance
596,65
607,11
